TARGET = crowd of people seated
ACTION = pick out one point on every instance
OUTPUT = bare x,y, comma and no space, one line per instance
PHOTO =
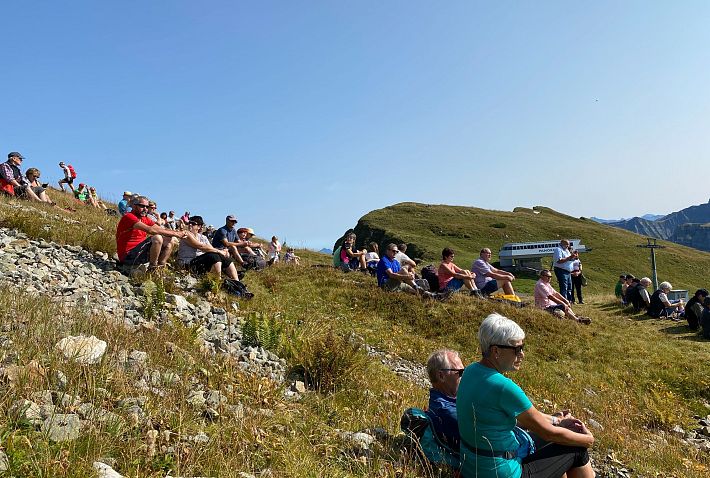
487,424
633,292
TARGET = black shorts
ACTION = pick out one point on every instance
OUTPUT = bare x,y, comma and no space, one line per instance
204,262
67,180
551,460
139,254
490,287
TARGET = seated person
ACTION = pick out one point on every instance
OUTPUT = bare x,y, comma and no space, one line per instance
618,292
444,368
124,203
408,264
290,257
452,277
40,190
624,287
637,293
133,245
81,193
705,318
163,220
694,308
196,254
93,199
350,258
489,405
246,246
224,238
547,298
488,278
660,305
12,182
373,257
391,276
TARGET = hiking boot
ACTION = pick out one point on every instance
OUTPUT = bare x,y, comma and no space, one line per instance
477,293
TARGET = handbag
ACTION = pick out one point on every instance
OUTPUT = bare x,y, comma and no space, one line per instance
583,280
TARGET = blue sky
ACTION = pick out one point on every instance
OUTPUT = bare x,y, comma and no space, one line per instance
300,117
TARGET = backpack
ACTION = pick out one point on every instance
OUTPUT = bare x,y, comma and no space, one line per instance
254,262
417,427
336,257
71,171
237,288
429,273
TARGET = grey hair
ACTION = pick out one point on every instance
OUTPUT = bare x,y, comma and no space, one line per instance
645,281
665,285
437,360
498,330
136,198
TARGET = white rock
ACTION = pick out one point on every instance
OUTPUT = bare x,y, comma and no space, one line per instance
82,349
105,471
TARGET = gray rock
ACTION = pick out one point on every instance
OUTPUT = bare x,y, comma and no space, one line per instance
215,399
82,349
201,438
62,427
26,410
4,462
196,398
595,424
105,471
59,380
360,441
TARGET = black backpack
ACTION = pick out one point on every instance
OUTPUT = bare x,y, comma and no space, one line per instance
429,273
236,288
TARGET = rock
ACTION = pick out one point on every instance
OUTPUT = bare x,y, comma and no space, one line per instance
137,358
215,399
595,424
196,398
678,431
26,410
298,386
201,438
62,427
59,380
82,349
4,462
361,441
105,471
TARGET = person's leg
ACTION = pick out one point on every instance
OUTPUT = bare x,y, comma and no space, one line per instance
156,246
234,253
507,286
230,271
217,268
61,184
140,254
468,283
490,287
553,461
166,249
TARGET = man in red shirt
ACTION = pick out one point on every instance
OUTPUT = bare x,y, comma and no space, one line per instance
132,242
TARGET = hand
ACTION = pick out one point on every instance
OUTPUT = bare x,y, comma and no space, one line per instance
574,425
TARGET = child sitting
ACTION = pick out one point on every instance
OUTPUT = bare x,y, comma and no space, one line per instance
291,258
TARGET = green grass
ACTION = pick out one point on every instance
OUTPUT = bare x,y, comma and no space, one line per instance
637,377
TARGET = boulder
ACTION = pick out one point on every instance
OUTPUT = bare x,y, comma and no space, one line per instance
82,349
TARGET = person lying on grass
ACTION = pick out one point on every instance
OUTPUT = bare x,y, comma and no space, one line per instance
547,298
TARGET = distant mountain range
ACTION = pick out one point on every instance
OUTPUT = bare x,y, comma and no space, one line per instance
325,250
689,226
648,217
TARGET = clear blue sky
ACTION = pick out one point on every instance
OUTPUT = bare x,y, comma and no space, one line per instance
299,117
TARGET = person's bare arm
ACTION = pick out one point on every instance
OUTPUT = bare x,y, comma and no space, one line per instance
155,229
570,431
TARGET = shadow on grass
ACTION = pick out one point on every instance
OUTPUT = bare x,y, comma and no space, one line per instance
683,329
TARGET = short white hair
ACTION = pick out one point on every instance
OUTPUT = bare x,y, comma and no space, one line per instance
498,330
645,281
438,360
665,285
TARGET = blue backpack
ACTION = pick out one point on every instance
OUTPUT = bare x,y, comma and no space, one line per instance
417,426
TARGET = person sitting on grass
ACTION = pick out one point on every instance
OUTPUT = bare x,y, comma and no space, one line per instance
40,190
548,299
274,250
618,289
133,245
81,193
125,203
373,257
444,368
488,278
94,200
452,277
225,238
391,276
290,257
404,260
694,308
628,281
638,295
705,318
197,254
248,249
661,306
12,182
350,258
503,435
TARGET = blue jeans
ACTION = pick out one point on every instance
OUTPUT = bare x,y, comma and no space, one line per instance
564,279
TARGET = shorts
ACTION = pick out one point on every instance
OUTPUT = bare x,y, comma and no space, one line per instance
140,254
552,460
204,262
490,287
454,284
396,286
67,181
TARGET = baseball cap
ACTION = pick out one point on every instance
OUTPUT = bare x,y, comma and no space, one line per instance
231,217
14,154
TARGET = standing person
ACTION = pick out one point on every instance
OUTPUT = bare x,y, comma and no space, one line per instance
577,277
452,277
488,278
123,204
562,260
69,176
274,250
132,242
489,406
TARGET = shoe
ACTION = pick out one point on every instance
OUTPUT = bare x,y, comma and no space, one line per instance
584,320
477,293
581,302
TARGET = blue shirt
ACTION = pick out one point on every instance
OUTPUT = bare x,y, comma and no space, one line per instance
223,233
487,406
562,253
382,266
123,206
442,411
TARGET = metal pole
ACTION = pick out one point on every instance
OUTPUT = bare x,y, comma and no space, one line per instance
653,268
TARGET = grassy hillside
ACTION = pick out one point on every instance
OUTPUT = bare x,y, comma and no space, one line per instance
430,228
637,378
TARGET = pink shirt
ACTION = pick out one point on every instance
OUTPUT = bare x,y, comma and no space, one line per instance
446,273
542,292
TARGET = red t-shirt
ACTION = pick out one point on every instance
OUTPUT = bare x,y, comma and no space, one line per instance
126,236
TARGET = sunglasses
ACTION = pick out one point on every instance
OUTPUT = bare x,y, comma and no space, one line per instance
516,348
458,371
144,206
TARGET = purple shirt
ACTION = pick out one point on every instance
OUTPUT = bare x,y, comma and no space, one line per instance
481,268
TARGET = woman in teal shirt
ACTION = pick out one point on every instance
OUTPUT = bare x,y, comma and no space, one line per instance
490,405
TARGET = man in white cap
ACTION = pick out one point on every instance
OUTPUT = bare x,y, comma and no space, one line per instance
123,203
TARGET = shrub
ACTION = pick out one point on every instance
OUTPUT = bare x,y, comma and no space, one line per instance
257,331
153,299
